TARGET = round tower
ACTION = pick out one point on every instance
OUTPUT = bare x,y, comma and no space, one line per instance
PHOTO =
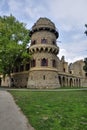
43,68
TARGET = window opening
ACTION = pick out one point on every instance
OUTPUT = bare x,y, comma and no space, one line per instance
54,63
44,62
43,40
33,63
33,42
44,77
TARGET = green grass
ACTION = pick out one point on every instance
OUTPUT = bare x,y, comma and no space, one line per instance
54,110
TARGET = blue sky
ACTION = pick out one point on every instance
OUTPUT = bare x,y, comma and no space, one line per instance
69,17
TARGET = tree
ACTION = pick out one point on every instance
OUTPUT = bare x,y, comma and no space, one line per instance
86,30
85,66
14,40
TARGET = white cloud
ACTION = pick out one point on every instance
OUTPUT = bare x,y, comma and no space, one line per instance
69,10
73,51
70,57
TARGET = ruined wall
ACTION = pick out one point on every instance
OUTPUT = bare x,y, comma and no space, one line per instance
77,68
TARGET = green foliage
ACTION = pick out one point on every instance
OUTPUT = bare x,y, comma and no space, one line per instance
54,110
85,66
14,39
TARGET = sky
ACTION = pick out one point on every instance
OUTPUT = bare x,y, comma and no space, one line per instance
69,16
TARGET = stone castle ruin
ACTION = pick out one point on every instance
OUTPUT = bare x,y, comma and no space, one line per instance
46,70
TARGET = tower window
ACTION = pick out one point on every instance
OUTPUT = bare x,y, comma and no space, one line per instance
33,63
54,63
54,42
44,62
33,42
44,77
43,40
64,69
86,74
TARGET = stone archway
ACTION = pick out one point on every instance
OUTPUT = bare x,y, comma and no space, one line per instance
67,82
79,82
63,81
60,81
76,82
71,82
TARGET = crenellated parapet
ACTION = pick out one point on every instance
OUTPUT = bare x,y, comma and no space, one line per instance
39,29
45,48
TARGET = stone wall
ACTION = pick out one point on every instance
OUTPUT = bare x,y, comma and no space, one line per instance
20,79
43,78
43,34
77,68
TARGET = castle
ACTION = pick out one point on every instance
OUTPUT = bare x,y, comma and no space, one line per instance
46,70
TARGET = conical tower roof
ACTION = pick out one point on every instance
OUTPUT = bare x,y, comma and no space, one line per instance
44,22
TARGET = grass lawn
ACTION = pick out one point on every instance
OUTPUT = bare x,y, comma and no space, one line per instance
54,110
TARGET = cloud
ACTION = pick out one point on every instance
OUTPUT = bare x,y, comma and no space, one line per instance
69,10
73,51
71,57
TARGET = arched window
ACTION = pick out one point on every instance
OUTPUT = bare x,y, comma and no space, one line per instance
60,81
54,42
44,62
27,67
54,63
33,42
64,69
33,63
43,77
86,74
43,40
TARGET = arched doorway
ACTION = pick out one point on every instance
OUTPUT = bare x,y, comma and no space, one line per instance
67,82
60,81
76,82
79,82
71,82
63,81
